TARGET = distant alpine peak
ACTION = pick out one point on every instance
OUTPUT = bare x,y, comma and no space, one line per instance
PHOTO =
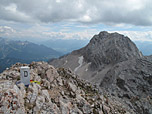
109,48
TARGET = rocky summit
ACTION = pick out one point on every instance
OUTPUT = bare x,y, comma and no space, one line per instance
114,63
59,91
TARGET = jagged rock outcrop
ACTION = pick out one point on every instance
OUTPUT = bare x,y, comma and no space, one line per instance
59,92
113,62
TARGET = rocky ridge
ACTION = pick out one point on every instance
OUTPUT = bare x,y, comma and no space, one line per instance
59,92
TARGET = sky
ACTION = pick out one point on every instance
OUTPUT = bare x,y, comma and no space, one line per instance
75,19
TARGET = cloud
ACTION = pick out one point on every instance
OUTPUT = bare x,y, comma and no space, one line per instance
76,35
39,32
134,12
10,13
136,35
6,31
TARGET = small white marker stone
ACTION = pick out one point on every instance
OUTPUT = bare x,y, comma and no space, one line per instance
25,75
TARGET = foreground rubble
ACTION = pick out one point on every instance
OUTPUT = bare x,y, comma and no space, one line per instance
59,92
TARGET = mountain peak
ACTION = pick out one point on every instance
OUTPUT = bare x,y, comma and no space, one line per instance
109,48
102,33
105,35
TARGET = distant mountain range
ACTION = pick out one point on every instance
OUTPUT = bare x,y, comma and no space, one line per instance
65,45
23,51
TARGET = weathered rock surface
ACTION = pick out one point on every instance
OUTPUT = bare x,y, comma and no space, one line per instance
60,92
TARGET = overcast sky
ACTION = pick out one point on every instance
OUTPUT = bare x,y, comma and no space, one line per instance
79,19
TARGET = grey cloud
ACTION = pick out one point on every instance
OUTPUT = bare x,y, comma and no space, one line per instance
9,12
135,12
6,31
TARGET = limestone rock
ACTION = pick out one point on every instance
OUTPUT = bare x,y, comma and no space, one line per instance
11,100
72,87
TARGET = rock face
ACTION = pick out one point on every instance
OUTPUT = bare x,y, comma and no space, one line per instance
59,92
113,62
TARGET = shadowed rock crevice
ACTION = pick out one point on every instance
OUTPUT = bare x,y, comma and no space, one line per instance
121,84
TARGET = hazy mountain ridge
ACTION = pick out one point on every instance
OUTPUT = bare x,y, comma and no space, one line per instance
65,45
23,51
113,62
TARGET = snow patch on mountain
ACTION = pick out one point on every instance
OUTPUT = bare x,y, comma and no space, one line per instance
80,63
